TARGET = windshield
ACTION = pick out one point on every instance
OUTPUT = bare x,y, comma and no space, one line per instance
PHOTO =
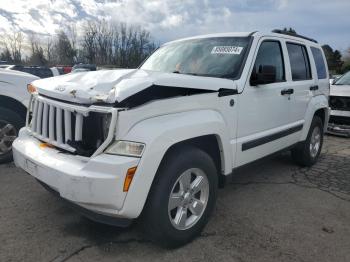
343,80
214,57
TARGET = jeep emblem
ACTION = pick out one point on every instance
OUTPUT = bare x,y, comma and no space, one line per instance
60,88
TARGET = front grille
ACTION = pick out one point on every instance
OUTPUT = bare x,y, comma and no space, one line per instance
69,127
339,103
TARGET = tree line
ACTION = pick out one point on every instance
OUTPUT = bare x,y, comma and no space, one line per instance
107,44
100,42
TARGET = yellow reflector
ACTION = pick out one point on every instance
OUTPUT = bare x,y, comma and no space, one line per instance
128,178
31,89
44,145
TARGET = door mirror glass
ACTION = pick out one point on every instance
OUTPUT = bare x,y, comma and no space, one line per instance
265,74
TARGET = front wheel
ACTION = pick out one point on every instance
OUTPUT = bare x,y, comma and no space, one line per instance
307,153
182,197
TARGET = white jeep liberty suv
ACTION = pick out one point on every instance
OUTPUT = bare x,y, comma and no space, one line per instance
156,142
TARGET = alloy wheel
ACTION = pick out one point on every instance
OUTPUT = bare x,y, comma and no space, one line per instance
188,198
315,141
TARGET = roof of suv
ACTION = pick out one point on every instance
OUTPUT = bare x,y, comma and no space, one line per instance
254,33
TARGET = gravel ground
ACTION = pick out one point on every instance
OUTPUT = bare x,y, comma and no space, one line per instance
271,211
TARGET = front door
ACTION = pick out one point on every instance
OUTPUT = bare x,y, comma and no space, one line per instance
263,114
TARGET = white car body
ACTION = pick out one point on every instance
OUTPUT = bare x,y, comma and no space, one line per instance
13,84
237,114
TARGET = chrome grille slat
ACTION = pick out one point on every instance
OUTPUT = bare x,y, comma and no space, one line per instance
59,125
45,120
78,127
67,125
39,118
51,123
35,112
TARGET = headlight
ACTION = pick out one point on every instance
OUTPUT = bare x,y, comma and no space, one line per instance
126,148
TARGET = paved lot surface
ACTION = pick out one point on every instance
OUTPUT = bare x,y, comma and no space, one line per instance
272,211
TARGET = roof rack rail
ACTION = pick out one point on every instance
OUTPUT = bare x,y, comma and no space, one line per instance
278,31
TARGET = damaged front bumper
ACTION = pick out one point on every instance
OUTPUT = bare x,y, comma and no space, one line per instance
339,123
341,130
95,184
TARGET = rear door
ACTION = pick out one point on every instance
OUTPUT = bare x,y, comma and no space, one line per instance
321,72
301,80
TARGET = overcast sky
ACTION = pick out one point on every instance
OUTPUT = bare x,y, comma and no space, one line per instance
325,20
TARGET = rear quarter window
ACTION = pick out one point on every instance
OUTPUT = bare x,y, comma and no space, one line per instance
299,62
319,62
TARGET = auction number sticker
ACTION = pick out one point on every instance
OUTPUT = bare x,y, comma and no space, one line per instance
227,50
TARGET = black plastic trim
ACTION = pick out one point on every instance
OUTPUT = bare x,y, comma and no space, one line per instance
227,92
266,139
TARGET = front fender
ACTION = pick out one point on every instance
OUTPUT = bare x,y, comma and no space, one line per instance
159,134
15,92
316,103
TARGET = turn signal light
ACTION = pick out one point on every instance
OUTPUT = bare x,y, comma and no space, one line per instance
45,145
128,178
32,89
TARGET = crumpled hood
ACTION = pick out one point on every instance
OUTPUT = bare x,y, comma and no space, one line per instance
340,90
112,86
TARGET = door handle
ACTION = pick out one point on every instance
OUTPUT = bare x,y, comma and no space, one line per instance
288,91
313,88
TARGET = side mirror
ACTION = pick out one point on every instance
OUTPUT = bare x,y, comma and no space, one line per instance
266,74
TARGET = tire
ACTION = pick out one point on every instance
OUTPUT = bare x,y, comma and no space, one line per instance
10,123
165,227
307,153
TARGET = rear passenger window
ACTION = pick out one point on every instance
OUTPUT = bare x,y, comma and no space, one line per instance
299,62
270,54
319,61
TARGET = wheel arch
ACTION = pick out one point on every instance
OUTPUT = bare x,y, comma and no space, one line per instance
211,144
318,106
14,105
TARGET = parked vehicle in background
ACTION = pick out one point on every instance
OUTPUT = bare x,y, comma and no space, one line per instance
83,68
333,78
64,69
40,71
159,140
6,66
339,101
14,99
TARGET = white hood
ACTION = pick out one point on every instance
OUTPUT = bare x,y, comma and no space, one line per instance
111,86
340,90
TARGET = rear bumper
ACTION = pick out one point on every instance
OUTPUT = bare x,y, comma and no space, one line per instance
96,184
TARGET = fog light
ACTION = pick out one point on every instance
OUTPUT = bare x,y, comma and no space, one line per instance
128,178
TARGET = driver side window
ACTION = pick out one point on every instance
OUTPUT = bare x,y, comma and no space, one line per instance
270,54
